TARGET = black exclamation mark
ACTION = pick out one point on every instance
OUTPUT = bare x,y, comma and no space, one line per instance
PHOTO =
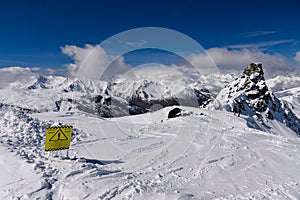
58,135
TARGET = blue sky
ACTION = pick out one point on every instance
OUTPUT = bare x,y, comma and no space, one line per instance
33,32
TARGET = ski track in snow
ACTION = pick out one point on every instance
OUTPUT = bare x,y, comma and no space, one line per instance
210,156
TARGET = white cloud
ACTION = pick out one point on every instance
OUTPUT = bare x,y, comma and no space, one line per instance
50,71
91,62
260,44
227,59
12,74
259,33
116,68
297,56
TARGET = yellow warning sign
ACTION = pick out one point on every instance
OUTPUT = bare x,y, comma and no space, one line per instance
58,138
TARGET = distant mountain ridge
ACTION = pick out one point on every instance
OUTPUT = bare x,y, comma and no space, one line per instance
146,91
135,93
283,82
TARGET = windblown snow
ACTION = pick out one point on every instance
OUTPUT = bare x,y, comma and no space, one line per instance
202,154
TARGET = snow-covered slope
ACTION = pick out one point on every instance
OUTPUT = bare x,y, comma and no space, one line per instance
202,155
251,96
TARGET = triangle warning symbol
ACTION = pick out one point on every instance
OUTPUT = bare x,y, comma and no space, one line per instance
59,135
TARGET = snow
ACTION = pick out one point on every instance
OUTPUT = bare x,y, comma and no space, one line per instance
151,83
253,76
292,97
208,155
282,82
17,177
203,154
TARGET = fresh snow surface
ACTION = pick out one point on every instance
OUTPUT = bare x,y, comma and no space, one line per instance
201,155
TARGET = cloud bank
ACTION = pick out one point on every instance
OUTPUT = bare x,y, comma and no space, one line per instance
12,74
92,62
237,59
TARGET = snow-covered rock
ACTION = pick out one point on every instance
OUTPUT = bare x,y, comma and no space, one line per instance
250,94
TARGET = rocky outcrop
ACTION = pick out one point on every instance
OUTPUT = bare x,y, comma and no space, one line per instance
251,96
175,112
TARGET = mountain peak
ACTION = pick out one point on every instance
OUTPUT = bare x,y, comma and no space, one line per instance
251,96
254,68
254,72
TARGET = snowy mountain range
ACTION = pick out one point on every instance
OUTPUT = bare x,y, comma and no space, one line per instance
130,94
152,88
205,153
